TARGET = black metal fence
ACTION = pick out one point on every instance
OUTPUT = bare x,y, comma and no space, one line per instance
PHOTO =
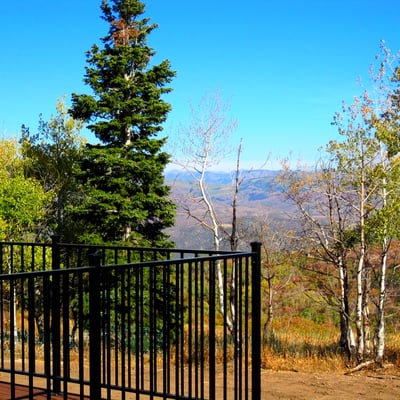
130,323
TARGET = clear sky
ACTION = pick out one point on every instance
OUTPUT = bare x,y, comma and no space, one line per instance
284,65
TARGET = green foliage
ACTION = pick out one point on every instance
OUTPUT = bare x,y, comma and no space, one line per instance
21,206
51,156
388,126
22,200
125,195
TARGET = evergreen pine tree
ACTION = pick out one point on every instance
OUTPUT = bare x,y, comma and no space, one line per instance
126,197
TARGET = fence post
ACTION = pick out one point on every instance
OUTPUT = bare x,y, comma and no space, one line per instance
211,329
55,314
256,320
94,326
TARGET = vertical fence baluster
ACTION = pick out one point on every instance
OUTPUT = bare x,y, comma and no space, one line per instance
31,331
182,308
67,340
239,322
107,293
55,315
94,327
189,327
211,329
256,320
42,286
12,331
223,265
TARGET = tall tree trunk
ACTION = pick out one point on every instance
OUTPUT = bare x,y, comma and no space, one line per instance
360,274
39,311
359,311
347,341
217,240
380,331
270,309
366,313
233,238
380,328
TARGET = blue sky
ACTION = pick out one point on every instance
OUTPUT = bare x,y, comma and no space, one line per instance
284,65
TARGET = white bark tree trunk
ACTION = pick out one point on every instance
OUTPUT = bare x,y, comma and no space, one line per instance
217,241
380,329
347,335
380,333
360,273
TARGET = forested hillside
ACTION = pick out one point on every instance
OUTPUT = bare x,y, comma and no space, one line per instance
260,199
312,240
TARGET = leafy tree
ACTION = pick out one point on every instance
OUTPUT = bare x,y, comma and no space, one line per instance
202,145
384,223
368,159
356,159
51,157
23,204
362,180
125,195
367,168
323,224
22,200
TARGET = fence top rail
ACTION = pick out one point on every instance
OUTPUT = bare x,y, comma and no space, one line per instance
120,247
143,264
216,257
149,249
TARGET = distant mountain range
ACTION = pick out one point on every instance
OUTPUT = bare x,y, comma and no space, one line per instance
260,199
221,176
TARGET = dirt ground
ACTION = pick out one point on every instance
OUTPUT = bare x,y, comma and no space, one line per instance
329,386
287,385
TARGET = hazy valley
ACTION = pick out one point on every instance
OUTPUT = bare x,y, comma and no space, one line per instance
260,199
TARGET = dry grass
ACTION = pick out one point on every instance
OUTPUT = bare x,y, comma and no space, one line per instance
296,344
302,345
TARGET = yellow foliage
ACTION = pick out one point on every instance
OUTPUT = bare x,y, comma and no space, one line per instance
10,160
